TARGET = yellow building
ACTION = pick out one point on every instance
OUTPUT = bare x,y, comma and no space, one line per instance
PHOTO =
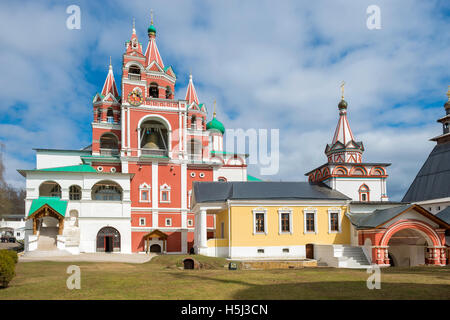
268,219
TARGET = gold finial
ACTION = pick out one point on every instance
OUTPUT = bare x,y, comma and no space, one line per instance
342,89
151,17
110,64
134,25
214,114
448,93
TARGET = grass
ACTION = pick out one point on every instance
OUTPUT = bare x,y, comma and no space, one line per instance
161,278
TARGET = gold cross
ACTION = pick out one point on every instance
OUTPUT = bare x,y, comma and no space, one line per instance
342,89
448,93
151,17
214,108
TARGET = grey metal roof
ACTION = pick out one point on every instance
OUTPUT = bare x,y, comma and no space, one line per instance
433,179
444,215
377,217
380,216
263,190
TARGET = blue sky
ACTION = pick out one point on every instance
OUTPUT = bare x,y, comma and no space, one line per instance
268,64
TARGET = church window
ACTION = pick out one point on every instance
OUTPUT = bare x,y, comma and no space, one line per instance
50,189
364,192
168,93
134,73
144,193
334,225
168,222
106,191
194,122
285,220
109,143
165,193
153,90
190,222
74,193
99,115
142,222
110,116
259,221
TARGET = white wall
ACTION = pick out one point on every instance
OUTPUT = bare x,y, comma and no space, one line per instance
52,159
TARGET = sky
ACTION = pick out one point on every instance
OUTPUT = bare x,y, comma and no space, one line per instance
269,65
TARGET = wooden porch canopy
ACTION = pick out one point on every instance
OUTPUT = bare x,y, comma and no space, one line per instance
48,207
155,234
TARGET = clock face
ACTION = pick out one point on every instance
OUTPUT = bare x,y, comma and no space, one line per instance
135,98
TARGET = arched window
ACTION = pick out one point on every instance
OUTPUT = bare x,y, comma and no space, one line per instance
74,192
222,179
106,191
108,240
154,138
153,90
99,114
364,193
110,116
109,144
50,189
168,93
134,73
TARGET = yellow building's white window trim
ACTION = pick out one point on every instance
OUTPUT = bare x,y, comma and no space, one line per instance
256,212
305,216
330,212
144,193
280,215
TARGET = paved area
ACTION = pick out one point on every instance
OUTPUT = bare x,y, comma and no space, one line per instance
90,257
8,245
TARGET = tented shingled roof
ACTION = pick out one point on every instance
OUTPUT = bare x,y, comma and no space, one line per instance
433,179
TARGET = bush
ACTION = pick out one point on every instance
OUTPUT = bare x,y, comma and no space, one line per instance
11,253
7,266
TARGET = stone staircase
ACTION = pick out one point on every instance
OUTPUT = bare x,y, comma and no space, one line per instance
341,256
354,257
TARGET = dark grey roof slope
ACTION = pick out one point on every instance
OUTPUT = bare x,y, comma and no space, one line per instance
261,190
444,215
377,217
433,180
381,216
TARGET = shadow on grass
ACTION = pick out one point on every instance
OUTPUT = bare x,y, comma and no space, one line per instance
336,290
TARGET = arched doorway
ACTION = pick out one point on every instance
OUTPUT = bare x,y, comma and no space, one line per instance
108,240
407,248
155,248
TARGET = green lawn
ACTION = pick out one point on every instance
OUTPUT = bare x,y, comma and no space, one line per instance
162,279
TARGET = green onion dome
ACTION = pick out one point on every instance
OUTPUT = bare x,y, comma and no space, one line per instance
151,29
215,124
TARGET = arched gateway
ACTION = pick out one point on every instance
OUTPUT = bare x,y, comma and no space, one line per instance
407,234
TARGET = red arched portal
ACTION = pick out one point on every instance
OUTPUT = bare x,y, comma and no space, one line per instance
422,227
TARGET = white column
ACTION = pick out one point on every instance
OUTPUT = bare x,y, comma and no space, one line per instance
184,241
155,190
202,233
183,195
128,131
